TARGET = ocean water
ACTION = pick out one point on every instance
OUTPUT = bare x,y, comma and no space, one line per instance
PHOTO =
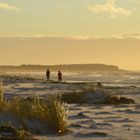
121,84
106,78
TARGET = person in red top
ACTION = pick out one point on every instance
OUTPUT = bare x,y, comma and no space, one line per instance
48,74
59,76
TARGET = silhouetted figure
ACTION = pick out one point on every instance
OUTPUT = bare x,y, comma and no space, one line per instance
48,74
59,76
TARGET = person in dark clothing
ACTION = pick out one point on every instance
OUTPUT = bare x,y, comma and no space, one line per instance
59,76
48,74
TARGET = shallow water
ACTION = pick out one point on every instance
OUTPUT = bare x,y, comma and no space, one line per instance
107,78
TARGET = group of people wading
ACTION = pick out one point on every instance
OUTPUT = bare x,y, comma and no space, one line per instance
59,74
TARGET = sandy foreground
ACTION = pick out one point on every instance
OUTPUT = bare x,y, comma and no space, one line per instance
85,121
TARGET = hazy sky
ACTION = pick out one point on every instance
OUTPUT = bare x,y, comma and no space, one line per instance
70,31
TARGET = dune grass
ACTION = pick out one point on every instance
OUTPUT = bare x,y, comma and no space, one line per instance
87,97
52,112
13,133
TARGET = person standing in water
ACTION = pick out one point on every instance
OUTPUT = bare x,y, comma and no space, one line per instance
48,74
59,76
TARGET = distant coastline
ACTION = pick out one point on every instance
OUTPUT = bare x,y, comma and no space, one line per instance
63,67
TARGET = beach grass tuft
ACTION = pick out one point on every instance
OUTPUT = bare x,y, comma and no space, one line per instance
52,112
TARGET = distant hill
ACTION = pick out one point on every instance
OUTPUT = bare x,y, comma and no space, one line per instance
68,68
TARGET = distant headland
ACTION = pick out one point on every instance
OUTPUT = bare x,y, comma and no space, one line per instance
64,67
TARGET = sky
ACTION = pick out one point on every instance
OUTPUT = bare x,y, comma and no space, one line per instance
70,31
